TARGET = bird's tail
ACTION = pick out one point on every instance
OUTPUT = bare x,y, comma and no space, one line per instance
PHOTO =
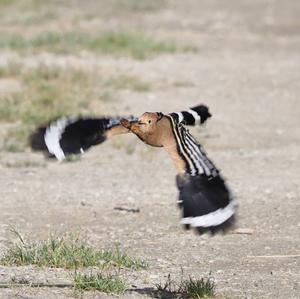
206,203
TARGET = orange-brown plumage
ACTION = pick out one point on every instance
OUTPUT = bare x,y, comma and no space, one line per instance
204,198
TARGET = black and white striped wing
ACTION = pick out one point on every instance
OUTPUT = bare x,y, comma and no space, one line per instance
205,200
73,135
67,136
194,116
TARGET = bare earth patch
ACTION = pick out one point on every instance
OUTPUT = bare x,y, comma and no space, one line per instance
245,68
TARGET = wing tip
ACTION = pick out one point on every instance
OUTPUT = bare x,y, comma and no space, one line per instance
203,112
53,135
70,135
36,139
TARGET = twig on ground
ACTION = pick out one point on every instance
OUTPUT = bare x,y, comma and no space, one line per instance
36,285
274,256
127,210
243,231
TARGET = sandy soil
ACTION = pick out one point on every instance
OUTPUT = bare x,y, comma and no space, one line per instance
247,72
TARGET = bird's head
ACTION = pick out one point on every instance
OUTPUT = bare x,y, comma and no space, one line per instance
148,121
145,127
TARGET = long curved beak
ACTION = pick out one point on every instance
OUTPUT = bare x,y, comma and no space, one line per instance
128,124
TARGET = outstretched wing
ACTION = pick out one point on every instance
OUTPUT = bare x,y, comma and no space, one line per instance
194,116
67,136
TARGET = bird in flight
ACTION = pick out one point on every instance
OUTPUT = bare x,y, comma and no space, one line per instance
204,198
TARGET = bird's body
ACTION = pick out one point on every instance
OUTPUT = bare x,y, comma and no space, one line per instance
204,198
206,202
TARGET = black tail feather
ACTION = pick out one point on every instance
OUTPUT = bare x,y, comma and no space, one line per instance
206,203
222,228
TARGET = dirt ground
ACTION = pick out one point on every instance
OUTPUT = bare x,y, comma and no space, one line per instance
247,70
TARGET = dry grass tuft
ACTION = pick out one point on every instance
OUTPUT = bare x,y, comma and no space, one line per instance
129,44
51,92
187,288
106,283
68,252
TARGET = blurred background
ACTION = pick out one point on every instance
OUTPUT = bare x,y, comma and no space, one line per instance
120,57
98,57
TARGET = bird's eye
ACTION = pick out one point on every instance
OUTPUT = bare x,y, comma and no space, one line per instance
149,121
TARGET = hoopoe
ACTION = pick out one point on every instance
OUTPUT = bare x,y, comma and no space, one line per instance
205,200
